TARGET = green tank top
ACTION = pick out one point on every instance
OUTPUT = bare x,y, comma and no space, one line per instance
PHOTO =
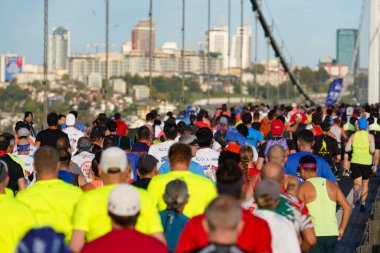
374,127
322,210
348,127
360,149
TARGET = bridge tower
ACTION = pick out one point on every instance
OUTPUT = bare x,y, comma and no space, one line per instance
374,54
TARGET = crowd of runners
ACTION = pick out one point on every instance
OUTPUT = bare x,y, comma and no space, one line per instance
242,179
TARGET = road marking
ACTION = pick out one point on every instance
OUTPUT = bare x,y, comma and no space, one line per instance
350,198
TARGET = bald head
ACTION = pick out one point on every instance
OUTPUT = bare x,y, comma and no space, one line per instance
276,154
273,170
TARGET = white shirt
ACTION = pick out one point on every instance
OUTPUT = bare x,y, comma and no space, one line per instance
83,160
28,163
208,159
74,135
160,151
284,237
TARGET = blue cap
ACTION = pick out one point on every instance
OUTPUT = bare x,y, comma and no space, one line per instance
363,124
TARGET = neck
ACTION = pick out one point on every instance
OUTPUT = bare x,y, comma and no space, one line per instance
64,168
181,167
223,237
305,148
23,153
53,127
116,226
310,175
47,176
109,179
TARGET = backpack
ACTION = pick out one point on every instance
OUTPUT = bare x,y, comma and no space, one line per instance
281,142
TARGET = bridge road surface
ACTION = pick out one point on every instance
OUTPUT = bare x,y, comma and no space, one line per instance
354,232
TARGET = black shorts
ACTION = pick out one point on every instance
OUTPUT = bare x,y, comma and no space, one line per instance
361,170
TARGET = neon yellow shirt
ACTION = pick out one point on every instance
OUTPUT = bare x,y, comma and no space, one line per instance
52,202
9,192
201,191
16,220
91,213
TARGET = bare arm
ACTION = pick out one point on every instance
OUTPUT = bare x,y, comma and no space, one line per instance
159,236
77,241
37,144
349,143
372,148
21,182
260,163
249,190
292,185
308,239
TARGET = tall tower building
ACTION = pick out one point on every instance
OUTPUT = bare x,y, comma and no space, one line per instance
374,54
140,37
58,49
242,41
219,43
345,47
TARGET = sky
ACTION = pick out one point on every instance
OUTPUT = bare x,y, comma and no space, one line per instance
308,28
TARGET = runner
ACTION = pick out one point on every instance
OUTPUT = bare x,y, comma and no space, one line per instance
49,137
122,128
73,133
146,170
83,157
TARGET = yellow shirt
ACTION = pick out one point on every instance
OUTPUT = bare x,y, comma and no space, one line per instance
201,191
9,192
91,213
52,202
16,220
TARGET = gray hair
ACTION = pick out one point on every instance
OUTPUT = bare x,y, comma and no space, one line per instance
176,194
224,212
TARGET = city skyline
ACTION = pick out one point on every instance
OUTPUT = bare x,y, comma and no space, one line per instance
85,20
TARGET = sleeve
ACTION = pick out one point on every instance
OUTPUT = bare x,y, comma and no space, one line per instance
260,136
38,137
153,190
186,241
149,221
265,242
291,144
164,168
81,215
262,150
305,217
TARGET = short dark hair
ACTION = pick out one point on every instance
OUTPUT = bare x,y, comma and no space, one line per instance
305,136
204,137
4,143
27,113
227,175
46,158
60,116
117,115
112,126
124,221
246,118
149,117
201,114
242,129
143,133
63,143
181,127
52,119
228,155
75,113
179,153
170,130
316,118
64,157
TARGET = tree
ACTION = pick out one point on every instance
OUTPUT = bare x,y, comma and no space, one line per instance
259,69
321,75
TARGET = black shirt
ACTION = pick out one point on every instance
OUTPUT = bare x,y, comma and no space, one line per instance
15,172
142,183
326,147
290,143
49,137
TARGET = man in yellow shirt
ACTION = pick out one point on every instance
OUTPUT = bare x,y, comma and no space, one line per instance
16,218
91,219
51,199
201,189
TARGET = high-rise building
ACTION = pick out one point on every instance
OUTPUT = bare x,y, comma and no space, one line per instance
345,47
219,43
58,49
241,50
141,35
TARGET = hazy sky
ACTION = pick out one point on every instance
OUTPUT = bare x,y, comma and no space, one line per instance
308,27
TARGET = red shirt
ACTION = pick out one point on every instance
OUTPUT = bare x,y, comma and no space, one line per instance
201,124
121,127
255,236
123,241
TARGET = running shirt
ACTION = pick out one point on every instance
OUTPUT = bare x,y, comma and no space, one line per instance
194,167
84,161
28,163
208,159
160,151
254,137
201,191
96,223
327,147
52,202
74,135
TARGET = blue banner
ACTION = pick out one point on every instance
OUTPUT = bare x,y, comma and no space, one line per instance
334,92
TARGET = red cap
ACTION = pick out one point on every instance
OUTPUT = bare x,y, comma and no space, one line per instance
277,127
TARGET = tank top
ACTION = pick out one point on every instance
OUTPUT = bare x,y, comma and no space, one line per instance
322,209
360,149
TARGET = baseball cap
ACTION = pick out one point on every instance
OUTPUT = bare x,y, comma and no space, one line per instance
223,121
277,127
349,111
269,188
188,139
23,132
113,158
70,119
362,124
124,200
45,239
147,162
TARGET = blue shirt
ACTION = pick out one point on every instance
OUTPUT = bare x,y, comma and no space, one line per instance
173,224
133,160
254,137
323,170
194,167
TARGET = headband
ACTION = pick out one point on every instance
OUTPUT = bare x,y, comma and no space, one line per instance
308,165
23,148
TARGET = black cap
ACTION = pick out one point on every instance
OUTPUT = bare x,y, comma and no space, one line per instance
147,162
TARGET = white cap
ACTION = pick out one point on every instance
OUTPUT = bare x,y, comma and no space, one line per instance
294,105
70,119
113,157
349,111
124,200
23,132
